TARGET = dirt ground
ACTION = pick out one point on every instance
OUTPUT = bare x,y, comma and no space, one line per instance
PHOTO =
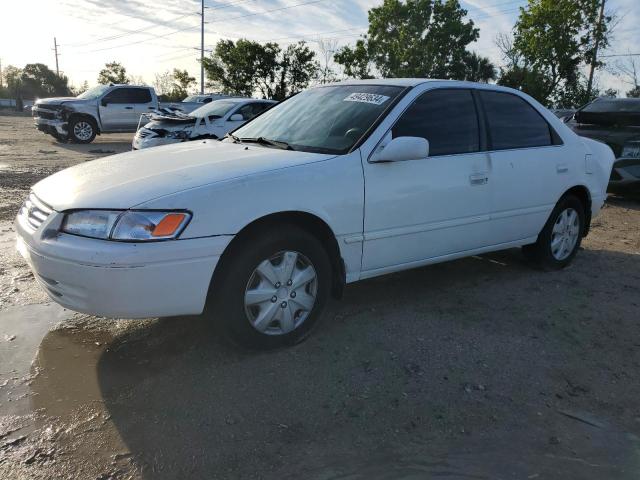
480,368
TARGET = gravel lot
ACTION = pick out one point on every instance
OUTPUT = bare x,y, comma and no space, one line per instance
477,368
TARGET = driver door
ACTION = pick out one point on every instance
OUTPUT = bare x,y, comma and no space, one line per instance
118,110
431,207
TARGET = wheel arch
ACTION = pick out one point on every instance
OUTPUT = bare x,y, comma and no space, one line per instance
78,115
583,194
309,222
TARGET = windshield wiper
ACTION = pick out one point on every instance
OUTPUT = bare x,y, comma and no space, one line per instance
267,141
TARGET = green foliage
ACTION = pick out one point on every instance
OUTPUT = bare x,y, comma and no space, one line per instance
245,67
479,69
634,92
113,72
413,38
35,80
552,40
356,61
182,82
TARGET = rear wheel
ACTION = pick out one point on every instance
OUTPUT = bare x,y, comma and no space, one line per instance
272,289
82,130
560,238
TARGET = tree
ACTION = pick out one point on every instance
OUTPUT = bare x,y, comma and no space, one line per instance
38,80
413,38
246,67
552,41
355,61
610,92
634,93
326,72
114,72
136,80
479,69
628,70
182,82
163,83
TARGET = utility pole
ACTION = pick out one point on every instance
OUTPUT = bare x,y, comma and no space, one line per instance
594,58
0,73
202,47
55,49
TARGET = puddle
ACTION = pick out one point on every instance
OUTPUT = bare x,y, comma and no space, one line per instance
21,332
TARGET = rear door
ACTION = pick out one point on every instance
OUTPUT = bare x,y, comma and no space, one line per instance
530,167
143,102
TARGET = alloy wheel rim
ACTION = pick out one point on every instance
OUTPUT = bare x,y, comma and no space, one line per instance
82,130
281,293
565,233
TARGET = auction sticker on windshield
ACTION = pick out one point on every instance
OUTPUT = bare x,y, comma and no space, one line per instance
367,98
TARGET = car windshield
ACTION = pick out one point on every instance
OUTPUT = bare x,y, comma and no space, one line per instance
324,119
94,92
216,109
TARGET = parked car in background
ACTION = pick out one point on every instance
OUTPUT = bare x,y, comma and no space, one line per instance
616,122
192,102
563,112
102,109
212,120
336,184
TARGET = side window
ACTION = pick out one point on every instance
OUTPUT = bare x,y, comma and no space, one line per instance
249,111
513,123
140,95
445,117
129,95
207,100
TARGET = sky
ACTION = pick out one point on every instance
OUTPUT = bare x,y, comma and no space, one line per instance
150,37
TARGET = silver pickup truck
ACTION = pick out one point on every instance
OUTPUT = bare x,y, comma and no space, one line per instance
102,109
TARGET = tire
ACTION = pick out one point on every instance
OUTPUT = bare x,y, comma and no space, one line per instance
253,301
82,130
560,239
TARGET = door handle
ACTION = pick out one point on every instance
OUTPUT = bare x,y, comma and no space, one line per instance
562,168
128,108
478,179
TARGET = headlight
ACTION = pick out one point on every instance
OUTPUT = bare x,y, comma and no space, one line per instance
180,134
129,225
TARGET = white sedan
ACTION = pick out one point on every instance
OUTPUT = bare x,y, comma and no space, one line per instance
337,184
212,120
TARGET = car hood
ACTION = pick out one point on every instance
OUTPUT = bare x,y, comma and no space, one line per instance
129,179
56,100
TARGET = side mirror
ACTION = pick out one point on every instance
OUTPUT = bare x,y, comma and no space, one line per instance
402,148
236,117
104,102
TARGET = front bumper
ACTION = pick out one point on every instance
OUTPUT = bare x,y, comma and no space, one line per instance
51,126
117,279
148,142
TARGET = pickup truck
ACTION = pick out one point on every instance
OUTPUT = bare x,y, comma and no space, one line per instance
102,109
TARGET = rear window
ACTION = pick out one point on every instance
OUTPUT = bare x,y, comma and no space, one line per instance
513,123
609,112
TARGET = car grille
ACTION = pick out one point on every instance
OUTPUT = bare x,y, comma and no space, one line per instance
34,211
47,115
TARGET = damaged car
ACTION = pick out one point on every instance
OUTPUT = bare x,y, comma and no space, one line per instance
337,184
213,120
103,109
616,122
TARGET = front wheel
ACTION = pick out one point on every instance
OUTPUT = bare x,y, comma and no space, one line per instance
82,130
272,289
560,238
